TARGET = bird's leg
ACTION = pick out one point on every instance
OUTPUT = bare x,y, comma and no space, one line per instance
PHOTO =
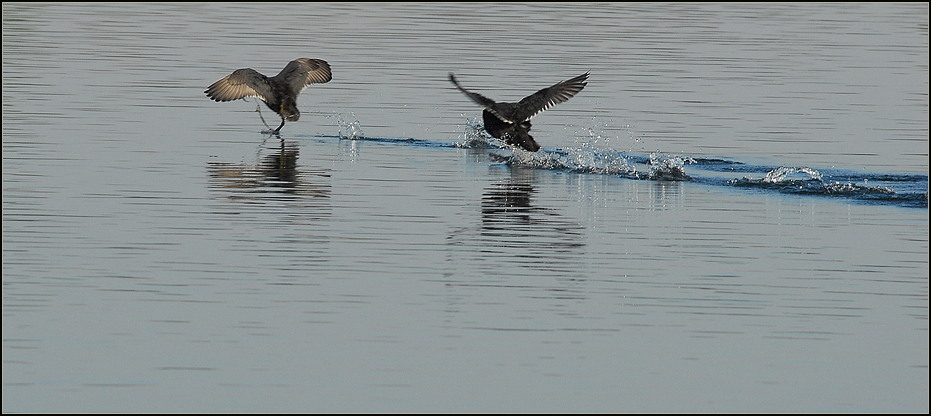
279,127
258,109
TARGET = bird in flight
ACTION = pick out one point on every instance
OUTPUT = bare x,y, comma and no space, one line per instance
278,92
510,122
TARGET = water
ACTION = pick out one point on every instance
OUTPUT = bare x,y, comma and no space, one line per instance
730,217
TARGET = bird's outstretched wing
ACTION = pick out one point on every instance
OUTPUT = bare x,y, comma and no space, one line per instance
301,72
541,100
531,105
245,82
478,98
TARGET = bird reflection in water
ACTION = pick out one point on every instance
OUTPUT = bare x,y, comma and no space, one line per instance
290,204
277,171
514,232
508,212
507,202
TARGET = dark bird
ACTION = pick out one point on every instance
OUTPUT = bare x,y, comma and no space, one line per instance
510,122
279,92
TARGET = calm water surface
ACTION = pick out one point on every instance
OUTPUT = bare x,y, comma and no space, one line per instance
731,216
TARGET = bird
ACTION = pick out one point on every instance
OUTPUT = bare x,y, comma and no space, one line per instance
278,92
510,122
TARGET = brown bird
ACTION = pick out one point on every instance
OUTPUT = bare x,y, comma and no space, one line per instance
279,92
510,122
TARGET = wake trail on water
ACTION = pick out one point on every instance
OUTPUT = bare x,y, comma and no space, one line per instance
905,190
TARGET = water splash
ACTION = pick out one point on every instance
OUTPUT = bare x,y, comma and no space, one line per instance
582,159
585,158
808,181
475,137
348,131
793,179
668,168
783,174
